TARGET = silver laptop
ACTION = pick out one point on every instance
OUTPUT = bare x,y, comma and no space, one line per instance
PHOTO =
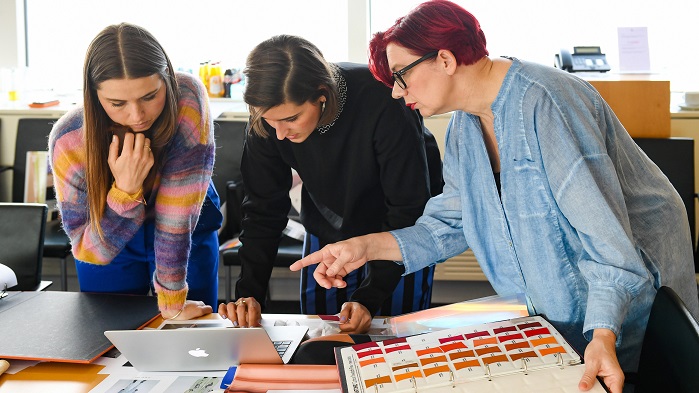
199,347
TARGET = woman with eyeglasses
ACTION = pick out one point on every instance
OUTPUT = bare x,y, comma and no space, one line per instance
543,183
132,171
367,165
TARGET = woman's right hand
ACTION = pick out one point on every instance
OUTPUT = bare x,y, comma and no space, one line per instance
245,312
190,309
337,260
130,167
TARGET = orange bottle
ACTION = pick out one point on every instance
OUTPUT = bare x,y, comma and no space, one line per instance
215,81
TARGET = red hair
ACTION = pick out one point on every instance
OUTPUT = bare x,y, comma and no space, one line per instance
432,25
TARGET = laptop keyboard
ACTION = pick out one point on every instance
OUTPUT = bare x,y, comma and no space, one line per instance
281,347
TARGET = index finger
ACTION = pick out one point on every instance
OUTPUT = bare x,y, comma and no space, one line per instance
311,259
228,311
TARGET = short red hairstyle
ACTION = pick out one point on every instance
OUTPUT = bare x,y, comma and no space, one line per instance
432,25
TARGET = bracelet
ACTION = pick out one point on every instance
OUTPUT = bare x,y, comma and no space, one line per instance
138,197
176,315
135,197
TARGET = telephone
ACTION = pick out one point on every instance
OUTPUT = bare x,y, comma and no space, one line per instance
583,58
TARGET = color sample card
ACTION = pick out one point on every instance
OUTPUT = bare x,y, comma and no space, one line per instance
516,348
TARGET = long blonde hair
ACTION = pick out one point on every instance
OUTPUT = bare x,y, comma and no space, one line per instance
122,51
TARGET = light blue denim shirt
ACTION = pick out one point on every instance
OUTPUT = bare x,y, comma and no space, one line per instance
587,226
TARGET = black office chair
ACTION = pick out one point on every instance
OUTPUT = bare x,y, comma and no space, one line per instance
289,251
670,353
230,137
32,135
675,157
227,178
22,243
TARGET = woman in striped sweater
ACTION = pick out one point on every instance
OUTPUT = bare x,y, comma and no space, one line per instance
132,172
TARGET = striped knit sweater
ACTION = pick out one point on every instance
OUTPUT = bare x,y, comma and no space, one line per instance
175,201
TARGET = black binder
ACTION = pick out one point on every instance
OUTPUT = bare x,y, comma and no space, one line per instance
67,326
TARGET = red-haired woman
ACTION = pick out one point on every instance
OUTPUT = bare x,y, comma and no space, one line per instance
543,183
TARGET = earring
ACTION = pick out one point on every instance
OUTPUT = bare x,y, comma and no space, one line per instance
322,107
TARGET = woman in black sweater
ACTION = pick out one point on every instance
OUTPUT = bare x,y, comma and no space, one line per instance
367,165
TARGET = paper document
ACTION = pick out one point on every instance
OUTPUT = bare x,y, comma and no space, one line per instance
634,53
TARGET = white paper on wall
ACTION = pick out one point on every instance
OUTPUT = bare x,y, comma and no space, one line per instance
634,53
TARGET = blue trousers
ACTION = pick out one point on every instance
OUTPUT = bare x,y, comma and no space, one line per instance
131,271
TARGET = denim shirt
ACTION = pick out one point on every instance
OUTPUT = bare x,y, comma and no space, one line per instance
587,226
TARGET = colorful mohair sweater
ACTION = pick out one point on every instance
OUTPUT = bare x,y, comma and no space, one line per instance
175,201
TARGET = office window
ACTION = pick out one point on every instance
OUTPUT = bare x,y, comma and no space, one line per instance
190,31
225,31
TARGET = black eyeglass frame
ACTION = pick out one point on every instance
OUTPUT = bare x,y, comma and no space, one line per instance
398,75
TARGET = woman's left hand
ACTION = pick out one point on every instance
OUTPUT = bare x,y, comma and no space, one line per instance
245,312
354,318
190,310
601,360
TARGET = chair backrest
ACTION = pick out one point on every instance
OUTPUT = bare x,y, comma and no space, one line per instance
235,191
32,135
230,138
22,241
670,353
290,249
675,157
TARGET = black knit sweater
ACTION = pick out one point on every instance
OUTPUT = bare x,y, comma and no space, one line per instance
372,171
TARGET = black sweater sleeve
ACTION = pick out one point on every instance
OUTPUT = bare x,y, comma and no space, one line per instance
371,171
267,181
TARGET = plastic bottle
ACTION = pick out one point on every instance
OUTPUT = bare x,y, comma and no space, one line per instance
227,82
215,81
204,74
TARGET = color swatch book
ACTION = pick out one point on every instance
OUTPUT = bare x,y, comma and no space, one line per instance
525,354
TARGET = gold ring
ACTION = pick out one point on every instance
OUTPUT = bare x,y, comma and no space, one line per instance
147,147
240,302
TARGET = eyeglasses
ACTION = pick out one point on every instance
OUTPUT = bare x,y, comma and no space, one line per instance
398,75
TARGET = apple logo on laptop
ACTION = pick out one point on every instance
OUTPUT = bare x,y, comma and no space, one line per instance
199,353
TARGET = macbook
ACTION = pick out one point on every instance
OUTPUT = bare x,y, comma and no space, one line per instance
199,347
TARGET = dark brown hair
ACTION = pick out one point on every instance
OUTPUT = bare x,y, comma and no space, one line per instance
287,69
